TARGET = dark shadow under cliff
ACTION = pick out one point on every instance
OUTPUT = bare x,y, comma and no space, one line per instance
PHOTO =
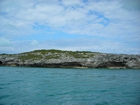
111,64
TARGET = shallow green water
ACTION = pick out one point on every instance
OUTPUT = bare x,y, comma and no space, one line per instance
47,86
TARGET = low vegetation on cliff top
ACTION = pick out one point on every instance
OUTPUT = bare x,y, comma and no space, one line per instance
51,54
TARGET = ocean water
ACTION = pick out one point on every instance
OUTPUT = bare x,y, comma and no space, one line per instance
55,86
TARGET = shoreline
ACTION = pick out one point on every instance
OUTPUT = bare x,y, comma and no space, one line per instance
110,68
70,59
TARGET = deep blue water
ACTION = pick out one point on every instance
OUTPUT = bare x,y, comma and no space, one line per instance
49,86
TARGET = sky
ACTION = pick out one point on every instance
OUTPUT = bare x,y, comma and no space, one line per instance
108,26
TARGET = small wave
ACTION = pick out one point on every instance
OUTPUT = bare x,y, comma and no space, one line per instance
4,96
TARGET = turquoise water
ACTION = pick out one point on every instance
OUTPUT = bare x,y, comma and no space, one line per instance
47,86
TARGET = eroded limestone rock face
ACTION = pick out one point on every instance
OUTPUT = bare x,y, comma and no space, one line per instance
114,60
71,59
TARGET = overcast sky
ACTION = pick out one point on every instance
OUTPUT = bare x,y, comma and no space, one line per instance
110,26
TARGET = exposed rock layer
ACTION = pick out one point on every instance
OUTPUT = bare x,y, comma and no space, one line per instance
68,59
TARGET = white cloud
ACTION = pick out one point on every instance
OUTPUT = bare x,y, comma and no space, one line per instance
4,42
71,2
131,5
56,16
34,42
110,19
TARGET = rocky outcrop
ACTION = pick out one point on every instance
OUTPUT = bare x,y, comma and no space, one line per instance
68,59
115,61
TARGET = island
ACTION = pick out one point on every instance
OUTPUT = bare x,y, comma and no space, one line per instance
70,59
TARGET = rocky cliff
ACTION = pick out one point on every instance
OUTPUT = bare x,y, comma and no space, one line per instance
70,59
